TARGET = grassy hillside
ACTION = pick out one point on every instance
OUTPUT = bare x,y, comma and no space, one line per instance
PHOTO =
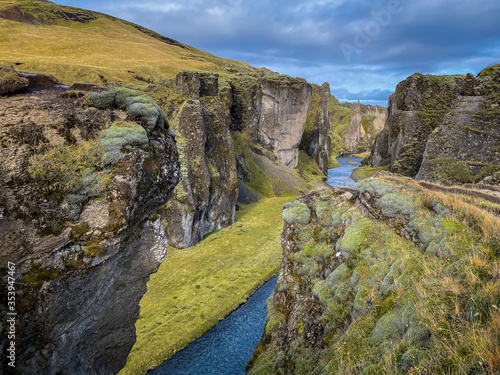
78,45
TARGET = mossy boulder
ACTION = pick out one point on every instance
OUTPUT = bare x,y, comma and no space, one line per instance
139,106
296,213
10,82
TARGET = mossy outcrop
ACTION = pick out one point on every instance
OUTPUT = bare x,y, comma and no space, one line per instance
139,107
443,128
393,279
206,198
78,191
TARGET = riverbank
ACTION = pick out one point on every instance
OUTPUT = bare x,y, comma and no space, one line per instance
363,173
196,287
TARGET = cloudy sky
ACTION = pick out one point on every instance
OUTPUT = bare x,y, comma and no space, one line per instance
363,48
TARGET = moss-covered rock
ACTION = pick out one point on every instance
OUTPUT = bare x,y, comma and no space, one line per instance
388,293
119,136
139,106
82,235
442,127
297,213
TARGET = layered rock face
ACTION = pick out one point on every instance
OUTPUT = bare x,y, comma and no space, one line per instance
281,113
316,141
206,199
357,124
270,112
78,190
374,281
443,128
364,124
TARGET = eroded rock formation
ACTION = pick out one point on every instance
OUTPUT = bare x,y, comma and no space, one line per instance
79,227
205,200
443,128
374,281
266,116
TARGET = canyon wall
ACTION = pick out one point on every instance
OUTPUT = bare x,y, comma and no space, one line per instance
443,128
377,280
225,125
81,175
354,126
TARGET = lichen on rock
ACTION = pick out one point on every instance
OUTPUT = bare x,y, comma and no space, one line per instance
378,284
138,106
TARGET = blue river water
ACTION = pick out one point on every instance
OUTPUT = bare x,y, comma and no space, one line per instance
226,348
341,176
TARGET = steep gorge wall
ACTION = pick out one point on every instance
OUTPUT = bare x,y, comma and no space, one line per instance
205,200
374,281
79,186
443,128
266,116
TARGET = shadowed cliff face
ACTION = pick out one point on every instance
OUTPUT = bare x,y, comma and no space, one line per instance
374,281
443,128
316,141
78,189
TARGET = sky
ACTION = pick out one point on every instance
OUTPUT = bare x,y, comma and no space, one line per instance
362,48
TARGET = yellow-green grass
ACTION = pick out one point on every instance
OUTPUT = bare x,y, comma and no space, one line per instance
103,51
362,155
363,173
197,287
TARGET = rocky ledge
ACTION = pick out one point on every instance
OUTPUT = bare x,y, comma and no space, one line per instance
388,278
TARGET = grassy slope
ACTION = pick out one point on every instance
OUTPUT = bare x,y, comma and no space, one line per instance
363,173
195,288
106,46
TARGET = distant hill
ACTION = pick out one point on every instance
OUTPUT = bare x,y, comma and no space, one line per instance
74,44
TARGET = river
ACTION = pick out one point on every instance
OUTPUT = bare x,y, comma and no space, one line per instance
226,348
341,176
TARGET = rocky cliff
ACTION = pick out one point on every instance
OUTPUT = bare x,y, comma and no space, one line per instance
357,125
316,141
206,199
390,277
443,128
81,175
238,138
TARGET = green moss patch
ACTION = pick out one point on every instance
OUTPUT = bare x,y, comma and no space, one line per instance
120,136
139,106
